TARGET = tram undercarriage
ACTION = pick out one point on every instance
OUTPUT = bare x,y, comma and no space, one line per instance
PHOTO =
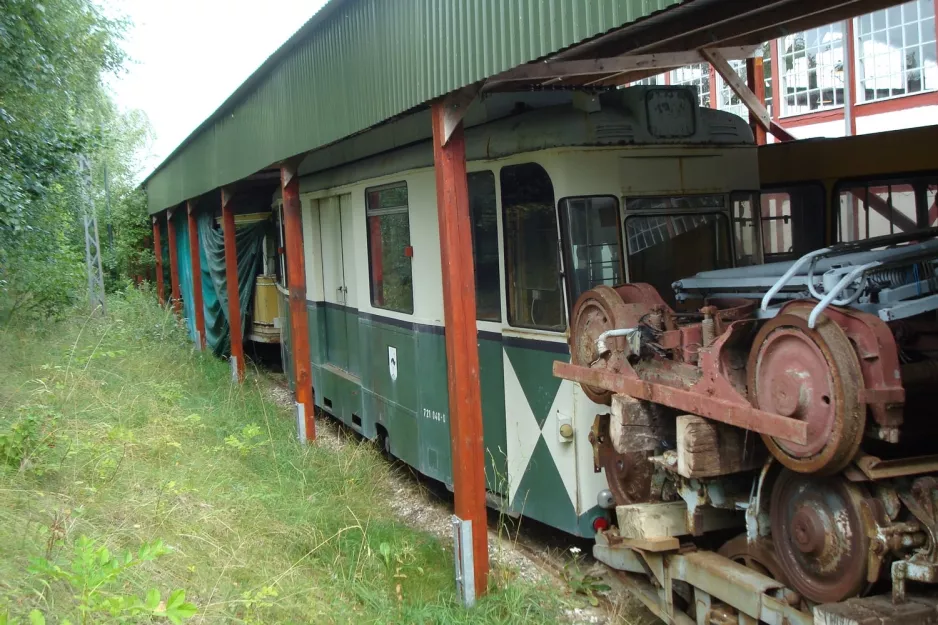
772,462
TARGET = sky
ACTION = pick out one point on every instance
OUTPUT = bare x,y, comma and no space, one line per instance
188,56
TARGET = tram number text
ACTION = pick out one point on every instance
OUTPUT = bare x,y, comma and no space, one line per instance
434,415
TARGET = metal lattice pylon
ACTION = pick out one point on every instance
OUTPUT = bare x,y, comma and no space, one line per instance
92,243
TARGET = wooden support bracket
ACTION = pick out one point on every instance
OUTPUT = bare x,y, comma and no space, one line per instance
758,111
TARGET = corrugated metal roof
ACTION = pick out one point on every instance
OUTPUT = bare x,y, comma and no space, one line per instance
357,63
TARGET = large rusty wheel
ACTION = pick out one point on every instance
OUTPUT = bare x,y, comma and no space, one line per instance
814,376
629,476
819,536
598,310
758,556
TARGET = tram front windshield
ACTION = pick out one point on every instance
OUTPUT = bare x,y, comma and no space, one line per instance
669,238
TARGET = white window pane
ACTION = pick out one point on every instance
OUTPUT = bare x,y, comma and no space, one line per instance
895,58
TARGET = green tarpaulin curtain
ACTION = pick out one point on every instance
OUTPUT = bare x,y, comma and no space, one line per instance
249,240
184,269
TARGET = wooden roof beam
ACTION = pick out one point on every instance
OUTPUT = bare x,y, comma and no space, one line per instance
539,72
745,95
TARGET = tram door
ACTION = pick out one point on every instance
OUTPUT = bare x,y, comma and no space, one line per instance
338,262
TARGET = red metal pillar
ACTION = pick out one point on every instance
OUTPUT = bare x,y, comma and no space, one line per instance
462,350
755,77
197,301
231,279
158,252
175,297
296,282
850,79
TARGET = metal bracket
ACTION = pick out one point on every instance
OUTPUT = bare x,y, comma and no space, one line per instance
455,106
289,169
227,194
462,552
301,422
198,341
233,361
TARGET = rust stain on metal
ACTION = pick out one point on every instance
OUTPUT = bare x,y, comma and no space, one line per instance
716,408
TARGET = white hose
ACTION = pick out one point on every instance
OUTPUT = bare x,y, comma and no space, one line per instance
601,341
788,275
840,286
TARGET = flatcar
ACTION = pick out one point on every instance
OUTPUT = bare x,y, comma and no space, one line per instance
777,417
562,186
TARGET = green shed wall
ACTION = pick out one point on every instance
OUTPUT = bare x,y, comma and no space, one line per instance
360,62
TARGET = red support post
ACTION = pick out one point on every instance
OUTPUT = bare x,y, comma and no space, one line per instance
296,282
158,252
777,95
197,301
231,280
462,351
755,77
850,76
175,297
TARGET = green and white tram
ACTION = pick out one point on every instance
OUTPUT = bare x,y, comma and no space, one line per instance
560,184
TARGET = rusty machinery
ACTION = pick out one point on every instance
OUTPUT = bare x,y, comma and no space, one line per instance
769,445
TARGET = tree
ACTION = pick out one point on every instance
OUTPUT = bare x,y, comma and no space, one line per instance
53,108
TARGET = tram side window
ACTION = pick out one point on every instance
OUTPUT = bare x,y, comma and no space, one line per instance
872,210
931,204
745,229
482,208
390,270
591,237
663,248
792,221
535,298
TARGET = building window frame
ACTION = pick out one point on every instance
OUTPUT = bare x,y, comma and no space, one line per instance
827,76
698,76
868,27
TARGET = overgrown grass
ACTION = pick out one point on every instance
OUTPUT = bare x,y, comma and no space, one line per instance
132,471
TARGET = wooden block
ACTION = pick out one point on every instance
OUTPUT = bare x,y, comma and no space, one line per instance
638,425
706,448
653,521
661,543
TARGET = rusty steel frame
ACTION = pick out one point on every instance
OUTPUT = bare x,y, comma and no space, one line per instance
158,253
462,351
689,401
650,576
196,259
296,283
231,281
175,296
